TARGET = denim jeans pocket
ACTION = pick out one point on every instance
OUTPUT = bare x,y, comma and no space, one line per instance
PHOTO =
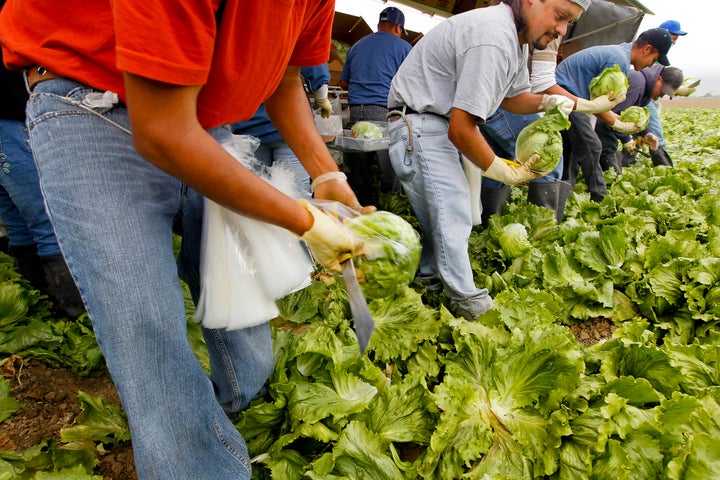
400,159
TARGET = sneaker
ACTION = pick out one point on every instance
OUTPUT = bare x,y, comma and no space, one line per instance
471,309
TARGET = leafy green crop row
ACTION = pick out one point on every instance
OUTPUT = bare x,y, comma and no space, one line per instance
513,395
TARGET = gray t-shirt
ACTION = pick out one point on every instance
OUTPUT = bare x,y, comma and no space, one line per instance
471,61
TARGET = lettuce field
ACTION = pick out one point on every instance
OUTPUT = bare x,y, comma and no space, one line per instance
513,395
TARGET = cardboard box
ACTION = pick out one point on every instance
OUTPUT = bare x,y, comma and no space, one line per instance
442,5
335,68
349,28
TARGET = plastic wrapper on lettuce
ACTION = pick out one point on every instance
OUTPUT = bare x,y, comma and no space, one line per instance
640,116
612,79
365,129
543,137
390,254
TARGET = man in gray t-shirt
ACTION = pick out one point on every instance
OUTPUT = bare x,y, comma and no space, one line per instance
455,77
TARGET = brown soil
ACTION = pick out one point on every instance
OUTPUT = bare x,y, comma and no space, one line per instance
49,399
691,102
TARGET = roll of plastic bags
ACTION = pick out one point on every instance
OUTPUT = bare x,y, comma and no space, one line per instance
230,296
246,264
473,173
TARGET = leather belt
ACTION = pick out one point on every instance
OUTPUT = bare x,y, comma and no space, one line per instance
37,74
403,108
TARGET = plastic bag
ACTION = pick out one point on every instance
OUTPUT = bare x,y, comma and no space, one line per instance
245,264
333,125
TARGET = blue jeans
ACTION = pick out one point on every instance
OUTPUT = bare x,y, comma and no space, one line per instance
114,214
433,179
21,202
655,125
279,153
501,131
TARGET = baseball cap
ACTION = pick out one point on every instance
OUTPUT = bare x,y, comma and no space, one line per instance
673,26
672,79
395,16
661,40
583,3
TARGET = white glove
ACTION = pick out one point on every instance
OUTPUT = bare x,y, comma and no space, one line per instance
630,146
473,174
563,103
601,104
628,128
652,141
687,88
512,173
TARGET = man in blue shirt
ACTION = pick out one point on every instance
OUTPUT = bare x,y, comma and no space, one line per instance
581,145
369,68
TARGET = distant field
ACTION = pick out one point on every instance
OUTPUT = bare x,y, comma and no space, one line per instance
691,102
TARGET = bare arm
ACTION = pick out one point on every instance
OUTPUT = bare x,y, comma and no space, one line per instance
290,112
523,104
167,133
464,134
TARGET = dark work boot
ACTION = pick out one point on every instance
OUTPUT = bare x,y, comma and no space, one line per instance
611,160
660,157
545,195
493,200
626,159
29,265
565,189
62,286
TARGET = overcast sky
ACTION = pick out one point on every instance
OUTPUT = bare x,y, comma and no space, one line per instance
695,53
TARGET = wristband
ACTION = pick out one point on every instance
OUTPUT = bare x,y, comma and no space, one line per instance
326,177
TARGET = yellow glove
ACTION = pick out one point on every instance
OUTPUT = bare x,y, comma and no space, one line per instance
329,242
628,128
601,104
324,105
630,146
511,172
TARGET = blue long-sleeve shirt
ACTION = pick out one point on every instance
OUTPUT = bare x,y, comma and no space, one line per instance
577,71
260,126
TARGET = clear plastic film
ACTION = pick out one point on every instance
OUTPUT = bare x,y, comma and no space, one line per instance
389,248
245,264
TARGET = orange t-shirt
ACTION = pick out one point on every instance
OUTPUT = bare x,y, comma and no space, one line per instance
239,60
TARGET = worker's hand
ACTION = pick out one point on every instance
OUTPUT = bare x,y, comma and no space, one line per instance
687,88
627,128
603,103
630,146
324,105
564,104
334,186
511,172
652,141
329,242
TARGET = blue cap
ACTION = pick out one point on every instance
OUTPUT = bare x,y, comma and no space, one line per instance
394,16
673,26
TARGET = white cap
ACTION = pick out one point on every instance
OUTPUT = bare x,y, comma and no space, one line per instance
583,3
